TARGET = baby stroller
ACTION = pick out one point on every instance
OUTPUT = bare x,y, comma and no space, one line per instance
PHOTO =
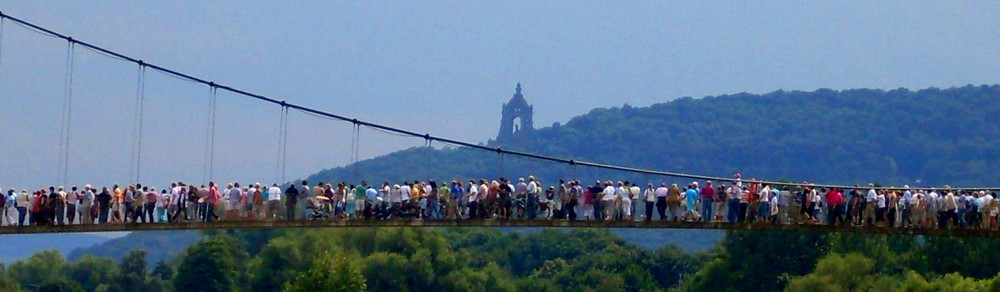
318,207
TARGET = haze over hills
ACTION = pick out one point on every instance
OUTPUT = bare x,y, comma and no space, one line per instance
920,138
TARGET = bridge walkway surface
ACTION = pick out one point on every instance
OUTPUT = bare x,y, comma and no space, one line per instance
222,225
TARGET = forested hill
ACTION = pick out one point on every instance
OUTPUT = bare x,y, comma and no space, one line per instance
937,136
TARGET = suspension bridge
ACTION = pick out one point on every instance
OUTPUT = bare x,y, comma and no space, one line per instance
138,124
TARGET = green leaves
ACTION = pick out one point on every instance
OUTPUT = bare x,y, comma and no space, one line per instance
208,266
329,273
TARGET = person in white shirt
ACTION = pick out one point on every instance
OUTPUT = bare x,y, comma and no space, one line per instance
177,203
273,201
618,212
764,204
933,207
404,194
394,198
880,203
532,198
558,193
869,216
162,202
607,200
9,200
473,199
918,205
384,195
632,193
650,200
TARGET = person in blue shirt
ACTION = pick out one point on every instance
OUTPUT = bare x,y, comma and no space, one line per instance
456,204
690,195
905,206
371,198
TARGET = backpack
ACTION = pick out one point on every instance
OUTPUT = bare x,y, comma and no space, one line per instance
723,195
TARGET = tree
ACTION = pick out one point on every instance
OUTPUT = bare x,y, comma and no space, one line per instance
132,270
385,271
836,272
59,285
329,273
163,271
746,261
8,283
90,272
208,266
491,278
38,269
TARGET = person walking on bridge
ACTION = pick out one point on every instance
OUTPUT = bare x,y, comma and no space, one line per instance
57,201
36,203
273,202
674,202
149,207
649,199
531,198
23,206
690,196
708,198
662,196
212,202
9,203
72,199
368,205
233,194
356,194
86,205
291,201
139,204
103,205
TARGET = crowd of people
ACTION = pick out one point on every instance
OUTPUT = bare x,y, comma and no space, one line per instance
734,201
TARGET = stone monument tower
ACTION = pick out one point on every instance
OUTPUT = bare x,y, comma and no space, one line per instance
516,121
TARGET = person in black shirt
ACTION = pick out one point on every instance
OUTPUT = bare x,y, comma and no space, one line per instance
56,206
504,198
291,199
103,204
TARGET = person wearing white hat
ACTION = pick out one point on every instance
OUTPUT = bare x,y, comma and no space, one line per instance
85,205
9,201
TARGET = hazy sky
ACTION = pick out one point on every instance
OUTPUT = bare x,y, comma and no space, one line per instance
442,67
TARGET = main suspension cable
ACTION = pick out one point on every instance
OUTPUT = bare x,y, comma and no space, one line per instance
499,150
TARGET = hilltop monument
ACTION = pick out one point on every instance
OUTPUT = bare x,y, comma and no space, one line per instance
516,122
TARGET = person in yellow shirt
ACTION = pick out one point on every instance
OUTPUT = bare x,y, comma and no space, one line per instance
416,191
116,208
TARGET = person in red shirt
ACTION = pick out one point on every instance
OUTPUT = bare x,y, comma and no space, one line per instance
211,200
834,201
708,198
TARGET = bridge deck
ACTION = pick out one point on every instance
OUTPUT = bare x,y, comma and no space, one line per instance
489,223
